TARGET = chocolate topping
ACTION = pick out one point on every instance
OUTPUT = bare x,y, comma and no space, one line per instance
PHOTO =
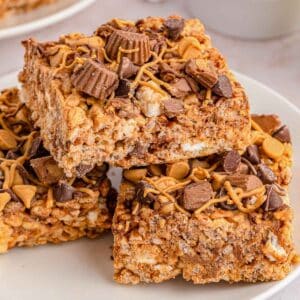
126,68
123,88
273,200
180,88
63,192
202,71
268,123
173,107
223,87
231,161
245,182
283,134
196,194
266,174
252,154
94,79
140,193
46,169
127,40
174,27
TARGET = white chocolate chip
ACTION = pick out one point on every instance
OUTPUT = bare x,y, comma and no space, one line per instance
272,250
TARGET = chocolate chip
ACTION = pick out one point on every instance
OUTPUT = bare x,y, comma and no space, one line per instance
111,200
94,79
283,134
273,200
11,155
244,181
173,107
223,87
83,169
268,123
231,161
149,198
266,174
174,27
202,71
36,144
180,88
196,194
243,168
63,192
252,154
123,88
250,166
46,169
126,68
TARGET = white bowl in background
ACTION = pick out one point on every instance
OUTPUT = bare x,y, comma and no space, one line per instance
253,19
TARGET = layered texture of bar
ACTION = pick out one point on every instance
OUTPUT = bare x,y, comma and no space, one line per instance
13,6
223,217
133,94
37,203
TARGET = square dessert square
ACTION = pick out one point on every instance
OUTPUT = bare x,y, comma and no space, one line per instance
38,204
223,217
134,94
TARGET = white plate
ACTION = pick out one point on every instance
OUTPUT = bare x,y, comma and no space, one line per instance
41,17
83,269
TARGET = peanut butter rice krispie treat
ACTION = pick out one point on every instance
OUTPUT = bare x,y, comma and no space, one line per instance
133,94
222,217
37,203
13,6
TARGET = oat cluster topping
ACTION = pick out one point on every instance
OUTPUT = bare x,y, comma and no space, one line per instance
252,181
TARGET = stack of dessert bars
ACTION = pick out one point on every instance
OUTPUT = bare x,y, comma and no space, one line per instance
204,192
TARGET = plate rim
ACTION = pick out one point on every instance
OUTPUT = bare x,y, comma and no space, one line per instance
45,21
294,274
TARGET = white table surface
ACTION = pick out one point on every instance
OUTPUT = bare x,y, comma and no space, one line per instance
273,62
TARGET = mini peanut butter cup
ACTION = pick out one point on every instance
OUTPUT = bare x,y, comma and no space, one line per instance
94,79
129,41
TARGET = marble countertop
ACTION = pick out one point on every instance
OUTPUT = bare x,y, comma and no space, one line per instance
275,62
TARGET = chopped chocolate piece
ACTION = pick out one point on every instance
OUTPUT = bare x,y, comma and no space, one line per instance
243,168
283,134
193,84
11,154
126,68
83,169
268,123
250,165
196,194
123,88
137,42
223,87
46,169
167,73
94,79
266,174
202,71
63,192
173,107
111,201
273,200
35,146
24,174
180,88
252,154
245,182
105,30
124,107
174,27
141,187
231,161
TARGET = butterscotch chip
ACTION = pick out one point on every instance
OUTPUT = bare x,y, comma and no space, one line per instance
4,199
268,123
272,147
135,175
155,170
196,194
189,47
178,170
25,193
136,45
244,181
94,79
202,71
46,169
7,140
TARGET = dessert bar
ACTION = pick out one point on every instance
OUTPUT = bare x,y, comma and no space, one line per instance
133,94
37,203
222,217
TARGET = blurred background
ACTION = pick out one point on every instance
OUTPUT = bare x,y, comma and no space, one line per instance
260,38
